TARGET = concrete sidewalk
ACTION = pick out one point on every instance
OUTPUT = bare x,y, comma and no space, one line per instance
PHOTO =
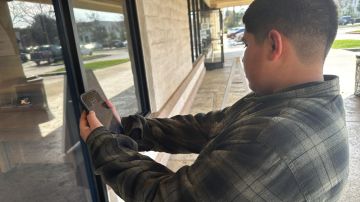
342,63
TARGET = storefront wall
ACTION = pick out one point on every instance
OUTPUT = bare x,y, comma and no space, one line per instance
39,140
165,36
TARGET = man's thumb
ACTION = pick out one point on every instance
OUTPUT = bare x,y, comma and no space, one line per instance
93,120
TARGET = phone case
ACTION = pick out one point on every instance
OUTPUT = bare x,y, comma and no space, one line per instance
92,101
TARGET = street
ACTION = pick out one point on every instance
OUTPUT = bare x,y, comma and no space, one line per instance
31,69
343,32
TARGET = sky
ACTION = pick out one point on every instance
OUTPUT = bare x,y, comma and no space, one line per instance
82,15
27,10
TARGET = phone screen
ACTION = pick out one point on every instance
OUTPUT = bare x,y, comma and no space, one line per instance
92,101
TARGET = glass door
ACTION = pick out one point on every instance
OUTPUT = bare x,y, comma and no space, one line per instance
104,42
211,37
39,158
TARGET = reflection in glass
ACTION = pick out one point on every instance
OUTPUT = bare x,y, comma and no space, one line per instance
211,40
39,159
104,34
102,31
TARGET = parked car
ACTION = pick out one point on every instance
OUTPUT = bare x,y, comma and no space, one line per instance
117,43
30,49
232,32
23,57
85,51
239,36
344,20
50,53
93,46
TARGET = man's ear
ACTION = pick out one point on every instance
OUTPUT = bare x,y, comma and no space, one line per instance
275,40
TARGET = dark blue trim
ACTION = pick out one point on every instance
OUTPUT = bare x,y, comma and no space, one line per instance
74,71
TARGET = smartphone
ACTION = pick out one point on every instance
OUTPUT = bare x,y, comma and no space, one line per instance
92,101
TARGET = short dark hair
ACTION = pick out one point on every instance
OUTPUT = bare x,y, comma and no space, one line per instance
311,25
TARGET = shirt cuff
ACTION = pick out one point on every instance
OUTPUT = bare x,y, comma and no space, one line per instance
95,133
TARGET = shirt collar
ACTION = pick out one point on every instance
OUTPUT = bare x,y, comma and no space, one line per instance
328,87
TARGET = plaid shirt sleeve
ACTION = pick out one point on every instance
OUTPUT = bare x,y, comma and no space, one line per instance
284,147
248,162
179,134
218,176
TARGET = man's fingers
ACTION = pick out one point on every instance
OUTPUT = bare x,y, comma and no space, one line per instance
113,110
83,121
109,104
84,128
93,120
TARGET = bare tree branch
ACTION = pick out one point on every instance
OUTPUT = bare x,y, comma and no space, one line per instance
23,13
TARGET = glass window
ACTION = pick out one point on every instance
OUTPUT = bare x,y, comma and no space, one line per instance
198,22
212,41
40,158
194,29
206,33
200,31
102,34
102,37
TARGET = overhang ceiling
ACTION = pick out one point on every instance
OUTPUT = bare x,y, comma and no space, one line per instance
116,5
98,5
226,3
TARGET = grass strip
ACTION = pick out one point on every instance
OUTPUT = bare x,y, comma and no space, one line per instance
100,64
346,43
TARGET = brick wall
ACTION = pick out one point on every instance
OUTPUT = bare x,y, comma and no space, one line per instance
165,36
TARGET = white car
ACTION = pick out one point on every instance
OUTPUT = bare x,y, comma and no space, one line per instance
238,37
85,51
93,46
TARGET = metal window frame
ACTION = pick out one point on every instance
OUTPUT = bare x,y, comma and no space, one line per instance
194,9
198,25
137,56
75,73
191,32
196,29
222,36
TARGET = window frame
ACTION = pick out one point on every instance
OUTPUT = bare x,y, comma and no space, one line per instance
194,11
75,74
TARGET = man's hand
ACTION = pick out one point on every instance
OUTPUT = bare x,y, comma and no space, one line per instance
88,123
113,109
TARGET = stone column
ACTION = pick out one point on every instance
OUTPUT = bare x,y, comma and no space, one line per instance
11,71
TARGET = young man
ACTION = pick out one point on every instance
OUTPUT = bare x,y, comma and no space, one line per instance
287,141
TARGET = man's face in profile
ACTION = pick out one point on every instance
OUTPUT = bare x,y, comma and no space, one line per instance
254,63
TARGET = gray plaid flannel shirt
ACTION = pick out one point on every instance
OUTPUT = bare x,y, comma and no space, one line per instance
288,146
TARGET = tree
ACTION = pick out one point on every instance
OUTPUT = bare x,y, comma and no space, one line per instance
26,38
232,18
100,34
35,22
98,31
122,31
43,30
347,7
229,19
83,29
23,13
